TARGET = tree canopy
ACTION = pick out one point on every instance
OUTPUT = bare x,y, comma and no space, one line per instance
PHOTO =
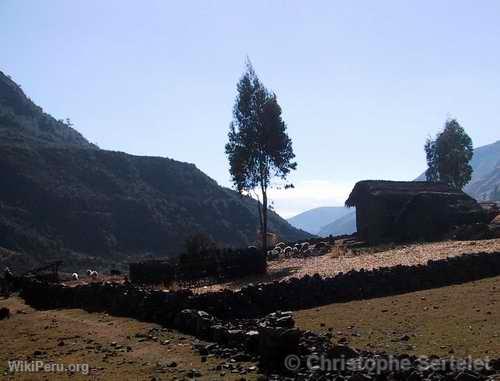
449,156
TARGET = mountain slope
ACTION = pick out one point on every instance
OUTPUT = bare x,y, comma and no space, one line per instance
486,171
62,195
486,175
23,122
343,225
314,219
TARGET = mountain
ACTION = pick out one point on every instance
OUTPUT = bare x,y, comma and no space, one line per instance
62,196
312,220
486,175
486,172
24,123
343,225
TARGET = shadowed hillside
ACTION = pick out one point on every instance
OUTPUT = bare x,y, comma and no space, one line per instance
63,195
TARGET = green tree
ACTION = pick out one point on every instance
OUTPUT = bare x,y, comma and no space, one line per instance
449,156
259,148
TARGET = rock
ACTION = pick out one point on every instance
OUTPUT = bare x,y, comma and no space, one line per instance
193,322
276,343
4,313
495,364
360,377
235,337
193,373
240,357
252,340
343,351
414,376
467,376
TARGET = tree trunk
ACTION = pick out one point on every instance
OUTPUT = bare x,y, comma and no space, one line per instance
264,220
259,209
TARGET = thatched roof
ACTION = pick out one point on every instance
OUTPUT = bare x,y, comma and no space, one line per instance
407,188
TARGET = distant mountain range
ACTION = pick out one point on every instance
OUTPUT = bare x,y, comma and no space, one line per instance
343,225
313,220
62,196
486,175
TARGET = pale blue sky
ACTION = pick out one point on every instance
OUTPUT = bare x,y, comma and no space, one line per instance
361,83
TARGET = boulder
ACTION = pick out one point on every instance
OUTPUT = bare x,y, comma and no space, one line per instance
194,322
276,343
4,313
340,351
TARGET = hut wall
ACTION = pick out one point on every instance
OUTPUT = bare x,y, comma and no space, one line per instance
372,220
376,216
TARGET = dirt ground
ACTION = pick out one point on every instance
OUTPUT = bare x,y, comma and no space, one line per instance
460,320
115,348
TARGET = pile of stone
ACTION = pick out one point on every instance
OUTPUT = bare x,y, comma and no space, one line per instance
285,352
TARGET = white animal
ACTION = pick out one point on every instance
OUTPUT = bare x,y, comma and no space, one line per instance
94,274
272,254
74,276
89,272
281,245
287,250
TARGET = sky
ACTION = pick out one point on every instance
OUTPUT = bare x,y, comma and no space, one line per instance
362,84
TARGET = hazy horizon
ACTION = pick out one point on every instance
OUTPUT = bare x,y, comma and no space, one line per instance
361,87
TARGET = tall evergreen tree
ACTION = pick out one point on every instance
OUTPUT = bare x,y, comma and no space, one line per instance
259,147
449,156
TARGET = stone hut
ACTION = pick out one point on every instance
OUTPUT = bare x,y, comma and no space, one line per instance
410,210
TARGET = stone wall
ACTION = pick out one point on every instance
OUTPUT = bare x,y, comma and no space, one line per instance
269,339
216,263
258,300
